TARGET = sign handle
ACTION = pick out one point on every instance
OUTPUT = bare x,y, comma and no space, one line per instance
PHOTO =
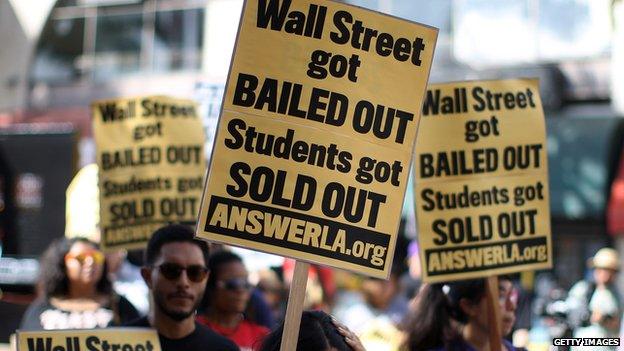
493,313
294,309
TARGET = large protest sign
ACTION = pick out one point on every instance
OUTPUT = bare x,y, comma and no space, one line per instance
316,133
111,339
482,180
151,166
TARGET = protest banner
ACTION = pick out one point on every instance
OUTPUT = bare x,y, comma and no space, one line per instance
482,180
316,133
151,166
110,339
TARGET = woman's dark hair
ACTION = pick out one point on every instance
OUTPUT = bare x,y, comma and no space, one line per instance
215,262
53,272
429,324
316,333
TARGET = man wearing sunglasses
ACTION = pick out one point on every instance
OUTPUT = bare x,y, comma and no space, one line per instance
176,274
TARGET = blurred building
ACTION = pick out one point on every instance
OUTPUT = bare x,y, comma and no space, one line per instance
59,56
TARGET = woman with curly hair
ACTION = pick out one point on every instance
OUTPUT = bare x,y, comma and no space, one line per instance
75,290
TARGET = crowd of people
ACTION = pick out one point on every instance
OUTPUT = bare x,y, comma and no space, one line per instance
199,295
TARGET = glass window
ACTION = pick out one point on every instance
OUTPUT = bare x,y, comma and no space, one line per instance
433,13
569,29
369,4
178,39
66,3
579,161
117,45
491,32
59,50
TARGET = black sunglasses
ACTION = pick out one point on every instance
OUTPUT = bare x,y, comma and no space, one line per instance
195,273
234,284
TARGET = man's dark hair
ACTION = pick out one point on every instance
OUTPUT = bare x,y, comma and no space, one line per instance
172,233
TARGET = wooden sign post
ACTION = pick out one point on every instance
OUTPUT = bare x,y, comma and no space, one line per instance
481,185
493,313
296,297
316,137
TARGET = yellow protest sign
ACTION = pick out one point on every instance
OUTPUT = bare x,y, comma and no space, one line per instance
111,339
82,208
151,166
482,180
317,129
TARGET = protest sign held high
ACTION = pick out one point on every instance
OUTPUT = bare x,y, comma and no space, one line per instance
482,180
316,133
112,339
151,166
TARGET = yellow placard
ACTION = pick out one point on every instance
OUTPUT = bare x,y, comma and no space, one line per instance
82,209
315,138
111,339
482,180
151,165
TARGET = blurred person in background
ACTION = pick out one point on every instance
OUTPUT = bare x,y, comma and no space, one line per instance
321,289
594,306
273,292
175,272
318,332
125,273
377,310
376,314
410,281
454,316
75,289
227,295
520,332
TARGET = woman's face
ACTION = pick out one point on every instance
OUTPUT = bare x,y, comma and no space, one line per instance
84,264
232,289
507,301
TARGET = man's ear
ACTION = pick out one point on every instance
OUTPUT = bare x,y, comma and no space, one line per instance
146,273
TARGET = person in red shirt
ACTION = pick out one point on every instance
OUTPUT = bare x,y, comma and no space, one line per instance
228,292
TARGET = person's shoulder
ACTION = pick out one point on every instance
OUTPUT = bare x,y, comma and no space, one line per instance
578,284
126,310
30,318
210,337
580,288
139,322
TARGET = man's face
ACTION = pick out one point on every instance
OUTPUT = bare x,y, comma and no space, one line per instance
604,276
176,286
